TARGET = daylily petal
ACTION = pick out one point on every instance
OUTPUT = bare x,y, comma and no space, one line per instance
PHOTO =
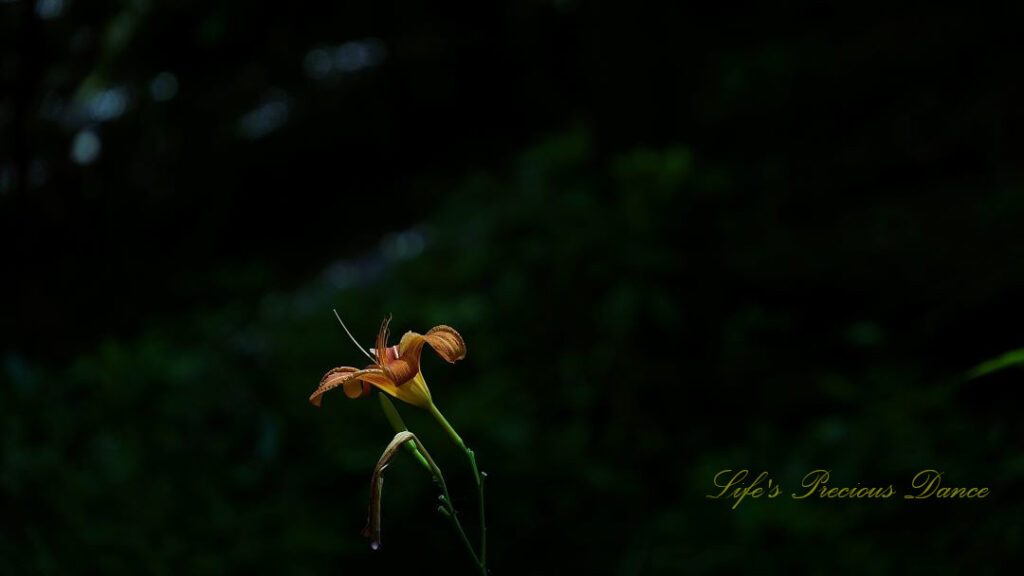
414,392
356,388
356,384
377,377
390,354
443,339
333,379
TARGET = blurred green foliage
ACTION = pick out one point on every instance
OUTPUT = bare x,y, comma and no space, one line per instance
677,239
615,365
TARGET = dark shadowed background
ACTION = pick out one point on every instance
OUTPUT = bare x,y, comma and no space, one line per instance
676,239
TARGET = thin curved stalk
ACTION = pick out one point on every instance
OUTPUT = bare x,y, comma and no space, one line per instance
476,474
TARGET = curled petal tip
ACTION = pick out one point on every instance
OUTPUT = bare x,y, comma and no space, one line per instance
345,376
447,342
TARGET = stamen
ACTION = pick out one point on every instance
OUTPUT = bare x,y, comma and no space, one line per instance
382,342
372,359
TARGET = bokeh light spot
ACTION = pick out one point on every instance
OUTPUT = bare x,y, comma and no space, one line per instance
86,147
107,105
317,64
268,117
164,87
333,61
49,9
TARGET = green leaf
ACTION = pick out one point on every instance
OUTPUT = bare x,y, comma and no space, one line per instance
1011,358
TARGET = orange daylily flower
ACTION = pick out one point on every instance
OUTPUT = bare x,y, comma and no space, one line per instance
395,369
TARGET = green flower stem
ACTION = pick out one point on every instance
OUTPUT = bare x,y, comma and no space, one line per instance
448,508
418,456
423,457
476,474
395,419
